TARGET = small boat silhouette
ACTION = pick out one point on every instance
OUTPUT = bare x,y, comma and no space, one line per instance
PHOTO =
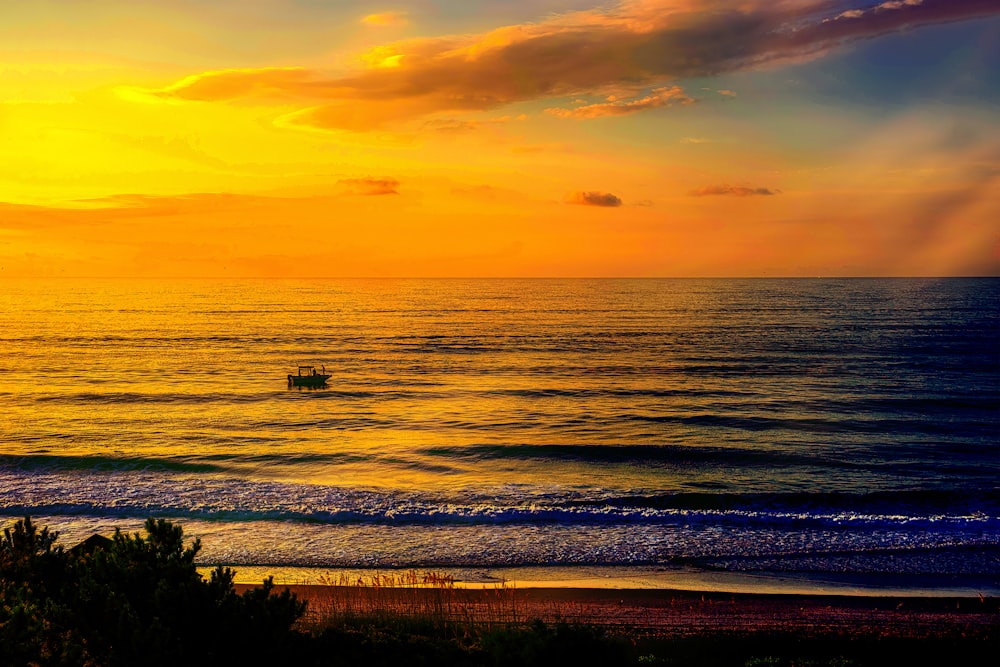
309,377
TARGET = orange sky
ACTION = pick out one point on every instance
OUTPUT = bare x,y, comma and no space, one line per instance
516,138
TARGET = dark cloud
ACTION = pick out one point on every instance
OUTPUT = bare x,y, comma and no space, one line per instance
634,46
731,191
596,199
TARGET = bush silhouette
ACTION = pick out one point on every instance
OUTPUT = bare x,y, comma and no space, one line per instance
132,600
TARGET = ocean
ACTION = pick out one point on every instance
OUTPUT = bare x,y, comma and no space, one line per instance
845,432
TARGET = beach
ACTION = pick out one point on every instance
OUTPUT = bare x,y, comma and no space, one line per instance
662,613
671,627
682,614
686,616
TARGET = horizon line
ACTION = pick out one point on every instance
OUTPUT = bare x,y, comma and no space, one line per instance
596,277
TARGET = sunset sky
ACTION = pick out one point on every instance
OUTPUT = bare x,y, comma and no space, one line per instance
307,138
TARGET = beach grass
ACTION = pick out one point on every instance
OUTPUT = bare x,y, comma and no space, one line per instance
380,613
430,597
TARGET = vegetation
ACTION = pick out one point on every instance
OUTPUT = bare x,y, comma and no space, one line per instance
139,600
131,600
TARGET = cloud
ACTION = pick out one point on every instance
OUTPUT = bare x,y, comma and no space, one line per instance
849,14
458,126
382,19
695,140
727,93
614,106
636,44
104,210
491,193
885,6
452,125
262,83
605,199
731,191
370,186
529,149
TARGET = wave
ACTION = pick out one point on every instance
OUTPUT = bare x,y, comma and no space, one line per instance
139,489
38,463
128,397
944,420
700,457
981,527
477,546
836,424
412,391
972,559
203,463
625,453
906,503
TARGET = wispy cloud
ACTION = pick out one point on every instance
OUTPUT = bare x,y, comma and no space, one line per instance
105,210
370,186
389,18
615,106
493,194
458,126
260,83
885,6
731,191
637,44
605,199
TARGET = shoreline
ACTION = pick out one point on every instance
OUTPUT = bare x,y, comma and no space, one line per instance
652,578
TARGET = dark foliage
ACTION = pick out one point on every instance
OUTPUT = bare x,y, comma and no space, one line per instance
542,644
386,642
134,601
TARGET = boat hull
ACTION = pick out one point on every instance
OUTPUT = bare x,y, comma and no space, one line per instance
307,380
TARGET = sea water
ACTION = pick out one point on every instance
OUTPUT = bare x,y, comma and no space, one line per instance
802,427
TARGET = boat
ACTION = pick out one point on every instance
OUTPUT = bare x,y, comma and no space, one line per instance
308,376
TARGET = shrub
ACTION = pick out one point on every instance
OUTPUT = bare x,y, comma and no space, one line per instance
132,600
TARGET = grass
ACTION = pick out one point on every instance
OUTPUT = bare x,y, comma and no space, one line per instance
425,618
428,597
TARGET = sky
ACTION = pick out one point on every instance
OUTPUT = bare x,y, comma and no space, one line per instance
495,138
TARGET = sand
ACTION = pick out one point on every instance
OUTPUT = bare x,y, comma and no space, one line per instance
666,602
679,614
